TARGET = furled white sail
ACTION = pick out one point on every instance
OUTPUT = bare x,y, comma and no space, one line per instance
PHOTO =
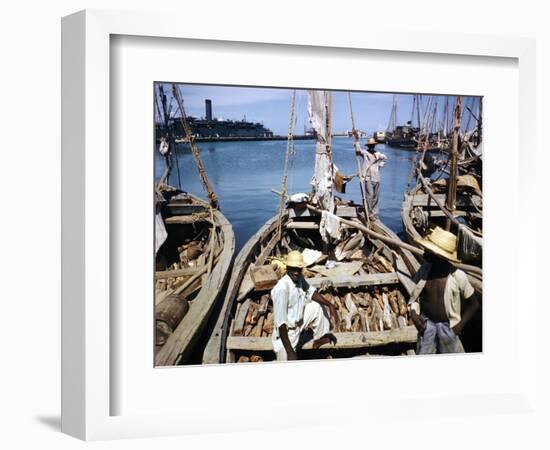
323,176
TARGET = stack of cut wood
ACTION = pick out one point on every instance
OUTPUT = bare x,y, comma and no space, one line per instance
378,310
381,309
254,318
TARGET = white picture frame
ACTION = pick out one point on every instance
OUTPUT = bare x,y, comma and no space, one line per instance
87,354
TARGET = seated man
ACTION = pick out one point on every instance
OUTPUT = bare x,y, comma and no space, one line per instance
297,307
441,289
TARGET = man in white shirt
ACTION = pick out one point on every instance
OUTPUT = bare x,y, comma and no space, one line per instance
297,307
440,290
373,162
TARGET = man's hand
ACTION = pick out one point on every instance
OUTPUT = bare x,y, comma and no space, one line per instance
457,329
418,322
292,355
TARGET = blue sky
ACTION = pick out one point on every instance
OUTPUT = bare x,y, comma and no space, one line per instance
272,106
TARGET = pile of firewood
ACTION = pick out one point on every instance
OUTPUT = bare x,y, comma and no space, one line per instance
378,310
191,255
254,318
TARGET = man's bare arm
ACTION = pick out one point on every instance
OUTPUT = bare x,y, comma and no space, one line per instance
283,334
323,301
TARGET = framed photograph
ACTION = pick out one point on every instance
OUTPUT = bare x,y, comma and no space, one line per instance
202,169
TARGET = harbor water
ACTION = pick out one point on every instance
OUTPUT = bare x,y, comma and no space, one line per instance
243,174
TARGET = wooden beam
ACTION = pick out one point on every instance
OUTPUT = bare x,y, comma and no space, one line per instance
182,220
163,274
356,280
345,340
423,200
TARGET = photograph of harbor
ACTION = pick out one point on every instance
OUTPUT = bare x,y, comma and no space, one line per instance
295,224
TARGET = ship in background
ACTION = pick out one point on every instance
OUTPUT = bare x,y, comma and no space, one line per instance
214,129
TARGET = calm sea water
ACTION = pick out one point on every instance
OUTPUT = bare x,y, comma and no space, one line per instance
243,174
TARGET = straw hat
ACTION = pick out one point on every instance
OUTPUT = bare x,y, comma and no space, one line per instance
372,141
468,181
295,259
440,242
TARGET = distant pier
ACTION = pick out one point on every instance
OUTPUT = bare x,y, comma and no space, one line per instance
299,137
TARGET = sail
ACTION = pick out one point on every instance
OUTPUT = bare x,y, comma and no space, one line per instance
323,176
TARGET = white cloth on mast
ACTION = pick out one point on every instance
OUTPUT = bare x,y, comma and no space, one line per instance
330,226
160,232
323,176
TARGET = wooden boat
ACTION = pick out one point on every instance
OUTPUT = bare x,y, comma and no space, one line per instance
379,136
426,205
362,277
365,286
192,267
195,244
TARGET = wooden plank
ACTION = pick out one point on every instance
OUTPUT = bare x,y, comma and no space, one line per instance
345,340
307,225
423,200
302,225
163,274
238,323
183,220
357,280
346,211
457,213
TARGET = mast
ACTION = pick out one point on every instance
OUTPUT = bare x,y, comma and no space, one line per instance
418,112
479,122
196,154
451,190
393,115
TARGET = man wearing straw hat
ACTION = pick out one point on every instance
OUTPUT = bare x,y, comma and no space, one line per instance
297,307
373,162
442,290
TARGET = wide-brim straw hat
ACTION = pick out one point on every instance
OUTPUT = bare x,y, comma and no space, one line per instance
372,141
440,242
468,181
295,259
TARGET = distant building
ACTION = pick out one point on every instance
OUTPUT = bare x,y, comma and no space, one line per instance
208,105
216,128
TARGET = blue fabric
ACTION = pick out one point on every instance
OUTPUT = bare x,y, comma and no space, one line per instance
437,338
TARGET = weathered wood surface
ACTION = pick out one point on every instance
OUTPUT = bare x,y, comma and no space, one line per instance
307,225
179,345
341,211
424,200
182,220
356,280
351,340
163,274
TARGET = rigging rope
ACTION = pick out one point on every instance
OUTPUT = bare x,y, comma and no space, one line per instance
288,155
196,154
359,171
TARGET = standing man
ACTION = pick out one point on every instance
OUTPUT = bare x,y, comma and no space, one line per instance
373,162
297,307
441,289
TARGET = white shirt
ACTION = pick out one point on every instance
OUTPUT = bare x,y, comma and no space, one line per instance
289,301
372,165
